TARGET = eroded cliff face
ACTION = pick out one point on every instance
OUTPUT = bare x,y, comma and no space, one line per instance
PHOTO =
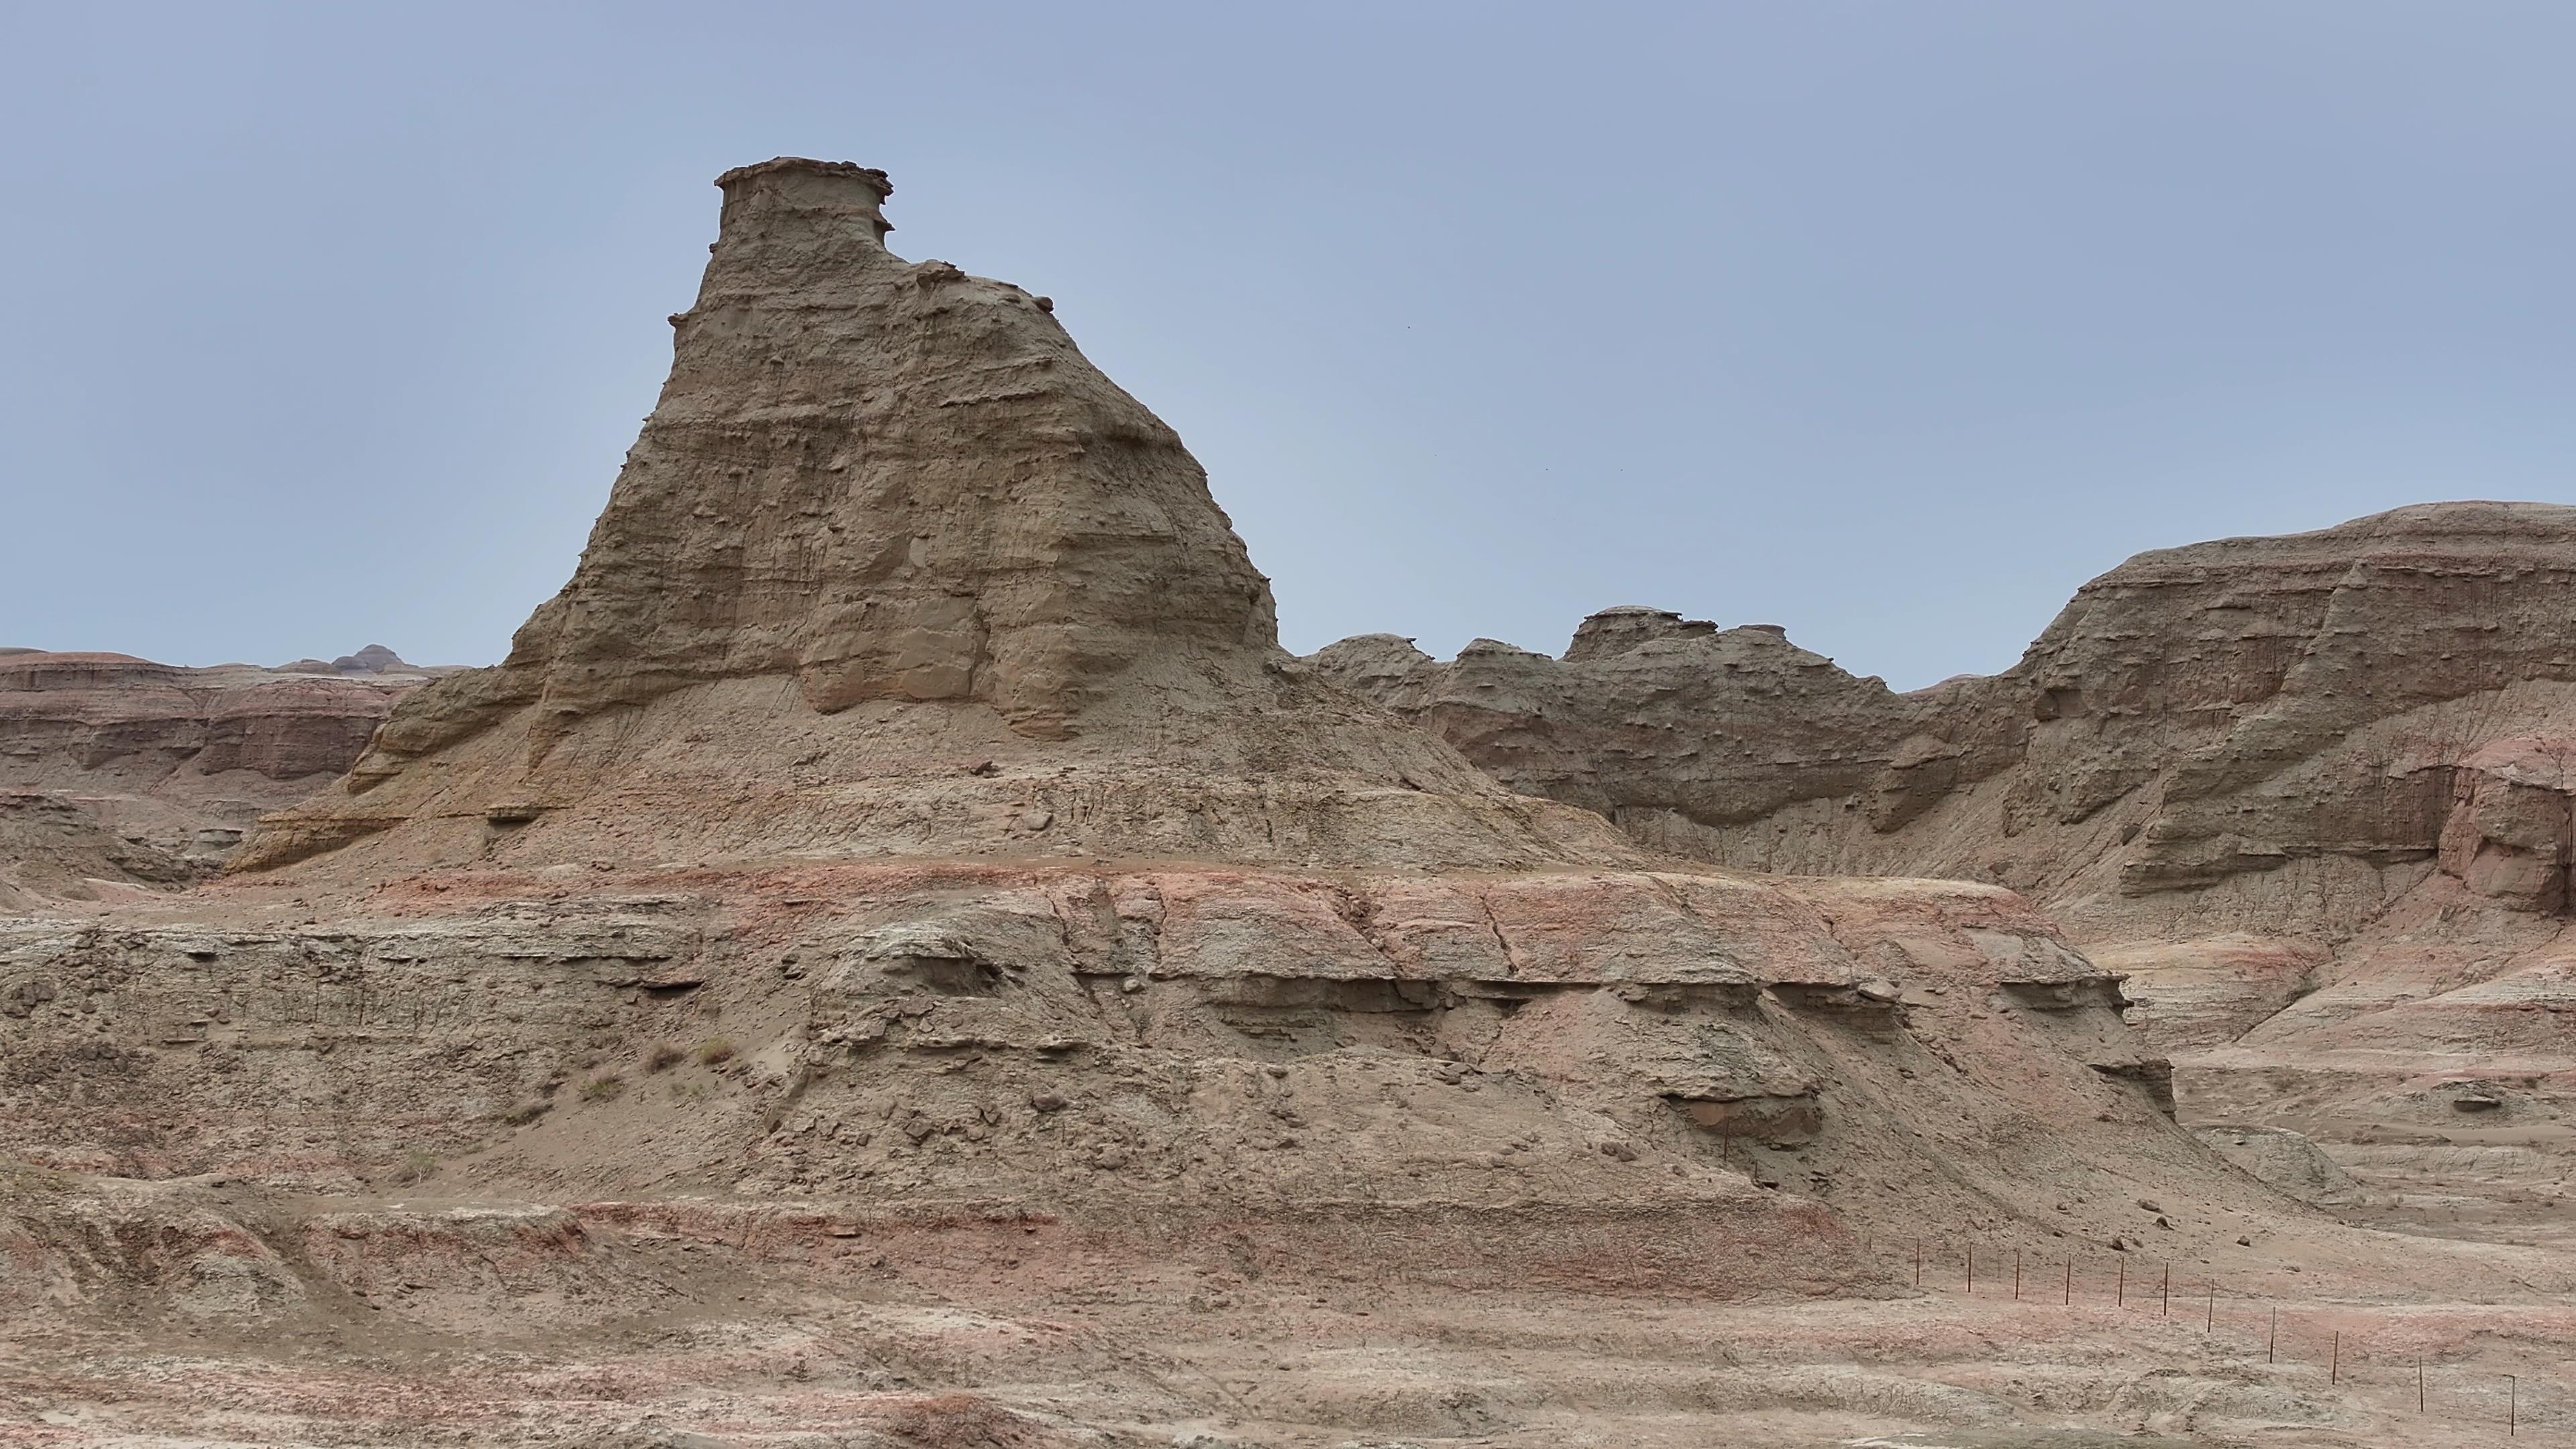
2262,734
2308,795
910,767
899,955
894,569
116,771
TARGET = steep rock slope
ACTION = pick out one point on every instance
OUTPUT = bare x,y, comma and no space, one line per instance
893,568
902,860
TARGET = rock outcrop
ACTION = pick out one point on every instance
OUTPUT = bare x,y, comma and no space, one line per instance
373,659
2254,733
916,713
893,568
904,847
2308,795
118,771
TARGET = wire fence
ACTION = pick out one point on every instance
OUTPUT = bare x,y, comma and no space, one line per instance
2291,1333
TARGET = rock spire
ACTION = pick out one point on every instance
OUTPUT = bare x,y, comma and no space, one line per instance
887,525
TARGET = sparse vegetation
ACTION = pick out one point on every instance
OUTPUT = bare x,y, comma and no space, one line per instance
663,1056
417,1165
689,1091
715,1051
528,1111
27,1182
603,1088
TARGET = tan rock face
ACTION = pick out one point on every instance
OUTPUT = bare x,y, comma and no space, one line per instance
915,722
888,482
903,849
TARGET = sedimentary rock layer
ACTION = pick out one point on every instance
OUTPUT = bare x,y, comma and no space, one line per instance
894,569
2261,733
115,770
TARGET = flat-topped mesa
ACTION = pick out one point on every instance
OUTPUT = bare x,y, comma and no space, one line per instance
886,521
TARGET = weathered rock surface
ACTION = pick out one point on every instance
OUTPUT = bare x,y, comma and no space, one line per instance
2257,733
897,588
2308,794
899,903
115,770
893,569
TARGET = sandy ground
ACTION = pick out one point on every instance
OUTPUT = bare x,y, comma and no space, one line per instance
614,1326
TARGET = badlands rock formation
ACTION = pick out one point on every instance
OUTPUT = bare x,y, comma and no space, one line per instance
893,569
899,955
115,771
902,957
2308,794
2265,733
916,670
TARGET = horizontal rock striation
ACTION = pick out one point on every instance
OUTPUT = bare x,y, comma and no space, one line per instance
117,770
1087,1042
903,849
893,568
2252,733
2309,796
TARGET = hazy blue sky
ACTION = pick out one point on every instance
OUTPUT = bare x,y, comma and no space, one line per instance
1891,323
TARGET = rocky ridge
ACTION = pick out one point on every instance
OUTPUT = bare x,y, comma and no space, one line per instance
2263,733
118,772
2305,794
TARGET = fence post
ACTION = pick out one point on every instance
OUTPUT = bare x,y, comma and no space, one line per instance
2120,1288
1918,1262
1972,1270
2211,1326
2511,1386
2016,1275
2272,1341
2070,1283
2334,1365
2419,1388
2167,1290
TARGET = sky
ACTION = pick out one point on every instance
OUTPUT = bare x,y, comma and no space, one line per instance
1892,323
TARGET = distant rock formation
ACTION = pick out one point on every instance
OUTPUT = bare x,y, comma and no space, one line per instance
374,659
2252,733
116,770
2310,795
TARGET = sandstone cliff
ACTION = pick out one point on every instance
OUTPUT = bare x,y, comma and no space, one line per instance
2308,795
893,568
903,847
2267,734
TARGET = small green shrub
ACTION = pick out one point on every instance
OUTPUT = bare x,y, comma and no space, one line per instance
603,1088
26,1182
662,1057
715,1051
